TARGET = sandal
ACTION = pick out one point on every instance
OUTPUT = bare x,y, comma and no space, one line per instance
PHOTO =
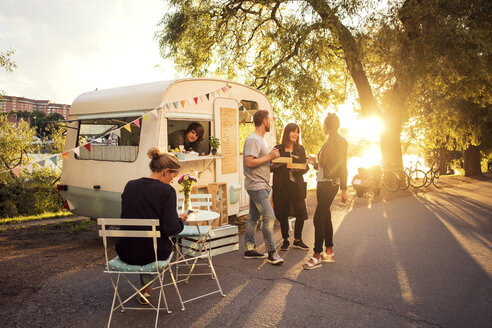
313,263
327,258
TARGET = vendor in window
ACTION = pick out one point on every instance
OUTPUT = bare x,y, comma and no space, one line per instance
191,138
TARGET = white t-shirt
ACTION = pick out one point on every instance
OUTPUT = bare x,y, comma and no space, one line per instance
256,178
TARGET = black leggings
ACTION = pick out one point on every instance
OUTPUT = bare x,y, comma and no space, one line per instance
300,211
323,228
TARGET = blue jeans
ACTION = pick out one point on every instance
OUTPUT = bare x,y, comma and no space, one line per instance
259,205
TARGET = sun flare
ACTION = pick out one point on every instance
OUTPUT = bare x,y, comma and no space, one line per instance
365,128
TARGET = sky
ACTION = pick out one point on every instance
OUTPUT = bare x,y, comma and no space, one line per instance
64,48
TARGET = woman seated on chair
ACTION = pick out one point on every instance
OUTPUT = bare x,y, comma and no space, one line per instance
151,198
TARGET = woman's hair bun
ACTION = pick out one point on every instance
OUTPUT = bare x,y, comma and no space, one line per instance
154,153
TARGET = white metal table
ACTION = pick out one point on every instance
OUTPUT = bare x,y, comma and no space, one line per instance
200,249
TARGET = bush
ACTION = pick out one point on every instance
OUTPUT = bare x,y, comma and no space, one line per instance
30,194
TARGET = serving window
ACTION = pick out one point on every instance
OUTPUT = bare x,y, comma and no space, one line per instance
117,147
179,141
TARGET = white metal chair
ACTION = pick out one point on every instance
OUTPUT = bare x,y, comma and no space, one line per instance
116,267
198,201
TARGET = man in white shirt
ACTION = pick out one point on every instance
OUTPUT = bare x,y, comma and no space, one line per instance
256,163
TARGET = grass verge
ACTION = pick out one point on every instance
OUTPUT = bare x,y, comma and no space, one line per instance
44,216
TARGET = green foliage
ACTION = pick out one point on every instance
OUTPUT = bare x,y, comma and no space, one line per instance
6,61
30,194
214,142
277,47
15,143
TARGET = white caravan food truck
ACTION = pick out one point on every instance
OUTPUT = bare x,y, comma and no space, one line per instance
93,177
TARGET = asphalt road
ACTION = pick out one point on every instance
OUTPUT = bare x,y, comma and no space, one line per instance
423,261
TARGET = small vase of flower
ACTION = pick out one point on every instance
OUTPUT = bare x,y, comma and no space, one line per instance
214,144
186,181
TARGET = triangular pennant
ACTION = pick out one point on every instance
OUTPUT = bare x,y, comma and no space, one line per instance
208,96
70,205
137,122
146,117
42,163
218,91
128,127
154,112
65,154
54,159
224,88
213,93
196,100
182,103
16,171
117,133
87,146
29,168
175,104
202,98
76,151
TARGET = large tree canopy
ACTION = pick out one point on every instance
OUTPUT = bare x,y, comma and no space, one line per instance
298,53
310,55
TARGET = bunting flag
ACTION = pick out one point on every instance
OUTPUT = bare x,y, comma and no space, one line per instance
127,127
54,159
70,204
117,132
16,171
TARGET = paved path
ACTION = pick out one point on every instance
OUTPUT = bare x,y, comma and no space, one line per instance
423,261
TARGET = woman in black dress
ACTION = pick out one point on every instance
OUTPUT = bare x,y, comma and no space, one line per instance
151,198
289,188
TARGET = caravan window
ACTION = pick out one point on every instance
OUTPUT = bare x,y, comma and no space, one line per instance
177,130
109,147
247,109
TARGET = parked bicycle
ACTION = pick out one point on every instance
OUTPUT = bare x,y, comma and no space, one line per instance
432,176
417,177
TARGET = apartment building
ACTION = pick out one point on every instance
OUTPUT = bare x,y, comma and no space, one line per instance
11,103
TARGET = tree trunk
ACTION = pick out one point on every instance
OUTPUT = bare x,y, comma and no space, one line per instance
443,161
472,161
390,141
353,60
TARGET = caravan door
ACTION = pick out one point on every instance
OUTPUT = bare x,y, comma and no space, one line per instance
227,130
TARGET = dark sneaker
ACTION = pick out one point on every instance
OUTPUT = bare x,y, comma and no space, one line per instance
254,254
274,259
299,244
285,245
